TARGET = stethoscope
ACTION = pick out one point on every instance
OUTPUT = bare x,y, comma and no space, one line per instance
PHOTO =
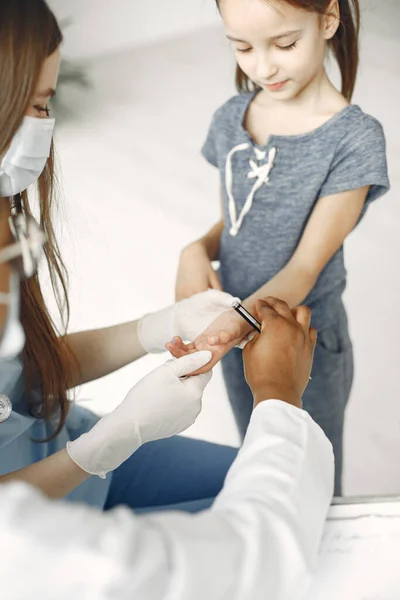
24,256
5,408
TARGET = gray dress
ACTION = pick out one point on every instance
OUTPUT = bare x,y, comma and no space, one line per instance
269,193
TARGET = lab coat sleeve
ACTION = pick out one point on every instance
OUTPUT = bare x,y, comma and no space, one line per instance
258,541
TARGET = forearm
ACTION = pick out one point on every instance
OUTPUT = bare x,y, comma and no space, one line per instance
211,241
56,476
292,284
103,351
331,221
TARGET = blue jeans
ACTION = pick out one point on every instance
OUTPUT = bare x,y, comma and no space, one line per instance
178,473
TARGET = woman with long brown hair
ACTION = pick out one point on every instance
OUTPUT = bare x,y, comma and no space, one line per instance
45,439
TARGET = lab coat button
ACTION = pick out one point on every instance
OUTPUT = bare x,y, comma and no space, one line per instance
5,408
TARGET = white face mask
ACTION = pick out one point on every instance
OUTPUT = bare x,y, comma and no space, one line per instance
26,156
12,337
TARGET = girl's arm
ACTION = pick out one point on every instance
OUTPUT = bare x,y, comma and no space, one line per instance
103,351
331,221
195,271
210,242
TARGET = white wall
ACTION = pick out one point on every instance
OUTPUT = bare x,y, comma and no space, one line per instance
107,26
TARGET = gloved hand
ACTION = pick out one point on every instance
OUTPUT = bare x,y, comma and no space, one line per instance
187,318
159,406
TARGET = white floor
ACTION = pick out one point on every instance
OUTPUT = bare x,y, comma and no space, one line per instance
137,190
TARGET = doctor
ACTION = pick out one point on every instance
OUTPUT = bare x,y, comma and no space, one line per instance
45,439
260,537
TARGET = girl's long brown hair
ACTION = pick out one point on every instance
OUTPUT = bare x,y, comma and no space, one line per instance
344,44
29,33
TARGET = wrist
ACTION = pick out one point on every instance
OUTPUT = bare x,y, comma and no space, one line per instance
244,327
277,393
157,329
106,446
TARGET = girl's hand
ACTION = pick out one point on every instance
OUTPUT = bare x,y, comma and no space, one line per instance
195,273
227,331
187,319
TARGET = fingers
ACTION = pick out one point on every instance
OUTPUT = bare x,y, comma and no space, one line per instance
176,352
177,344
302,314
222,337
177,347
268,308
190,363
279,306
225,336
313,338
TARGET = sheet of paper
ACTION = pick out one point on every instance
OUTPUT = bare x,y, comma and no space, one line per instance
360,554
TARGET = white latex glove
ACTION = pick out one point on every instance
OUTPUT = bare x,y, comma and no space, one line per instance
159,406
187,318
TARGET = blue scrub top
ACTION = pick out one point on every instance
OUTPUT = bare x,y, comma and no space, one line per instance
17,434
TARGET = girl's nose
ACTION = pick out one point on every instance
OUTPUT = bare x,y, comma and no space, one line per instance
266,69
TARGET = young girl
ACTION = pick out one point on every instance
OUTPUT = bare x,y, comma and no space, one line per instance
299,165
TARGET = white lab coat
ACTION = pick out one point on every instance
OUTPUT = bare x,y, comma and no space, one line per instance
258,541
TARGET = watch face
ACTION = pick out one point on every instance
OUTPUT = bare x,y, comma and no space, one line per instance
5,408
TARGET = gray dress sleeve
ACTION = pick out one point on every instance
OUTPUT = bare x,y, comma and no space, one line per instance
209,149
360,161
